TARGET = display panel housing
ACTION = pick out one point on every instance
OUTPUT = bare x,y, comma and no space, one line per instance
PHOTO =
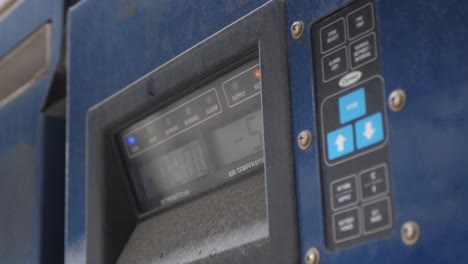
251,218
197,142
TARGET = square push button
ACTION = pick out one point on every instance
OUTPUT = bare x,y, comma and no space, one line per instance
360,21
340,142
377,216
346,225
334,64
344,192
352,105
363,51
332,35
374,182
369,131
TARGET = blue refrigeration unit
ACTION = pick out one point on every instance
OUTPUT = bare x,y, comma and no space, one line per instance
247,131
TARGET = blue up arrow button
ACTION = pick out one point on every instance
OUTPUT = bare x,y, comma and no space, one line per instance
340,142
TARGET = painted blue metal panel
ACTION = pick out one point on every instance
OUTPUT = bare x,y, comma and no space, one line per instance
112,44
423,52
23,145
423,48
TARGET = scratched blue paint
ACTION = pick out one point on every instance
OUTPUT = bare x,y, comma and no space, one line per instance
112,44
22,145
423,50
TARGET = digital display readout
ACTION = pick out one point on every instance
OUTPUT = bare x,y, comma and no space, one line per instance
239,139
205,138
174,169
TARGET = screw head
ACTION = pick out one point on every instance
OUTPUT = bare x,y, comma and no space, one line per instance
410,233
397,100
304,139
312,256
297,29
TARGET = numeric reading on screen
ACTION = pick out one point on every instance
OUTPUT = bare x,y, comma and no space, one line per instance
173,169
239,139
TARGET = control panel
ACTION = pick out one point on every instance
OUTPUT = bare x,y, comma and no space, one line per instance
352,124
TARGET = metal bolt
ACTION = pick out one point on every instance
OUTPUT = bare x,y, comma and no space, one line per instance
304,139
312,256
297,29
410,233
397,100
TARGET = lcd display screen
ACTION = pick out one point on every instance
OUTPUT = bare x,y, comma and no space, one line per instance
173,169
198,142
239,139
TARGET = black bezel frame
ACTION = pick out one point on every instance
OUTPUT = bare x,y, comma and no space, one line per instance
111,214
115,131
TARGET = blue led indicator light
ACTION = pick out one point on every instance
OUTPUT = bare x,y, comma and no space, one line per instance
131,140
